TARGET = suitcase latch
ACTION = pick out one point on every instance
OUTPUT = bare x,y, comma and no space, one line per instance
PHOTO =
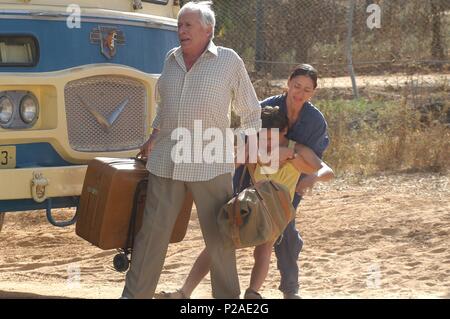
92,190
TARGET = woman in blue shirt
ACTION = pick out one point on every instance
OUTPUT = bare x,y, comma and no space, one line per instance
307,126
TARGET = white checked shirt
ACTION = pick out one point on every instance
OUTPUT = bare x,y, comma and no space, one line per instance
216,81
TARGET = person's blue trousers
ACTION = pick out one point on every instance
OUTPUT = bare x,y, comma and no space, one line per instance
287,250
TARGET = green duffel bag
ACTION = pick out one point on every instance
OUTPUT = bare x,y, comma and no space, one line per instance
256,215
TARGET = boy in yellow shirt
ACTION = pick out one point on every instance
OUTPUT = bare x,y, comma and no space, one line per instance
303,161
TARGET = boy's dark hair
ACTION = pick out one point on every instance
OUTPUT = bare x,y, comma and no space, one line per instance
307,70
272,117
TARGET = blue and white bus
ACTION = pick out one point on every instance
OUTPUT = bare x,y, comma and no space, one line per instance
77,81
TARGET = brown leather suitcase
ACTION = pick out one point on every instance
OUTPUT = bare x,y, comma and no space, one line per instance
110,190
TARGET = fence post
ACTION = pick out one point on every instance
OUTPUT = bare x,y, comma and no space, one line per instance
260,45
351,11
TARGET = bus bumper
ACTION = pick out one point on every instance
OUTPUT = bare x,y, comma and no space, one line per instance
40,183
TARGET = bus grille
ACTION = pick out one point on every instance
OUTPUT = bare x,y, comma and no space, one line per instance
106,113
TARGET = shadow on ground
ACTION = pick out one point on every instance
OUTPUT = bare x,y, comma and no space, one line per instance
26,295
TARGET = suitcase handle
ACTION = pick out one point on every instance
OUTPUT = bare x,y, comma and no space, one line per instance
140,158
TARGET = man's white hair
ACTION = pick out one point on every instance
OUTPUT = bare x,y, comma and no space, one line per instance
207,16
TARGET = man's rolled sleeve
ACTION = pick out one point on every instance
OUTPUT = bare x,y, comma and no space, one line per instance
157,120
246,104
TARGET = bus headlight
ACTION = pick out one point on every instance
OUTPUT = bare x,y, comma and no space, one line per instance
6,109
29,109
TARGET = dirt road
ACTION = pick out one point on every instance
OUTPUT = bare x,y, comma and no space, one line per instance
378,237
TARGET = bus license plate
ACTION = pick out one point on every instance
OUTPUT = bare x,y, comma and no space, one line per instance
7,156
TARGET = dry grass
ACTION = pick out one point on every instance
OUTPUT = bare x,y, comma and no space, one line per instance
371,137
399,125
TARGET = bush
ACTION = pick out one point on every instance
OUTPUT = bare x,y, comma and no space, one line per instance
369,137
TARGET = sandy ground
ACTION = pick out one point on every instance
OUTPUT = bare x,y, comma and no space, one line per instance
379,237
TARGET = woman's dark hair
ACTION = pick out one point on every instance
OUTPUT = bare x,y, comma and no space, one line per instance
272,117
305,69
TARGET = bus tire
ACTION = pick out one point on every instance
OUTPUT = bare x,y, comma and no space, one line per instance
2,218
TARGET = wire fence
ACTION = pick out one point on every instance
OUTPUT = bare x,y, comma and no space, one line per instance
378,48
393,54
394,35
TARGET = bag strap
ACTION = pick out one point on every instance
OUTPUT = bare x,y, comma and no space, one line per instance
234,216
251,170
291,144
283,200
241,181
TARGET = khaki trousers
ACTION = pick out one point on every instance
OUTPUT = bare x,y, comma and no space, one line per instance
164,200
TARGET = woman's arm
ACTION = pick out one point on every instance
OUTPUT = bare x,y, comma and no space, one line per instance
305,160
324,174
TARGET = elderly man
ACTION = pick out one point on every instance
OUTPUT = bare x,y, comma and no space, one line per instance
198,83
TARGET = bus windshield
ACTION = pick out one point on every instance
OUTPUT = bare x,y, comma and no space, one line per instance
18,50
